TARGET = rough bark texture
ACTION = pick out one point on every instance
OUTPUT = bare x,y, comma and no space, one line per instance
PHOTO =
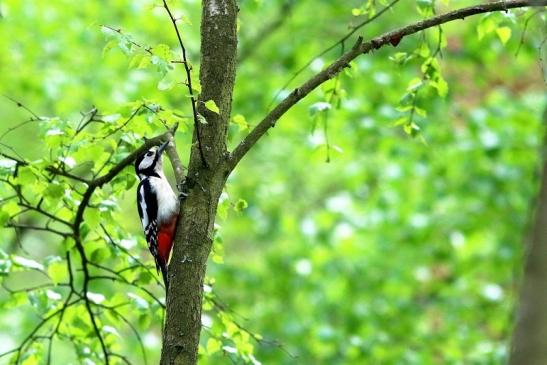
529,345
204,182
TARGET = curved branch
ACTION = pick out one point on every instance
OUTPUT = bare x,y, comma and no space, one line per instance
360,47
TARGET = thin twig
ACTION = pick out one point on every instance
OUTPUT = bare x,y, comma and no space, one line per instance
187,68
21,105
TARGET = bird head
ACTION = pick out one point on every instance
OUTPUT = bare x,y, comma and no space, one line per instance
149,163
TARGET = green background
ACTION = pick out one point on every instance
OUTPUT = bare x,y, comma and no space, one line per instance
400,250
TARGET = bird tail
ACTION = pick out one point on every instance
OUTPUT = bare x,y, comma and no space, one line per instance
163,268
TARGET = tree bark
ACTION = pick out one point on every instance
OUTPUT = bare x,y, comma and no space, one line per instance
205,181
529,343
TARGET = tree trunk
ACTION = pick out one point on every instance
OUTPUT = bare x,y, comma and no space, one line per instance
529,344
205,181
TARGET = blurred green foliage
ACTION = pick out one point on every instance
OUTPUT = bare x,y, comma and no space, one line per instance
404,249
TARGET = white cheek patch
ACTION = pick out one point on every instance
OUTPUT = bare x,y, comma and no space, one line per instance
146,162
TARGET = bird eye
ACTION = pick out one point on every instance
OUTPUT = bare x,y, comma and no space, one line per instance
149,153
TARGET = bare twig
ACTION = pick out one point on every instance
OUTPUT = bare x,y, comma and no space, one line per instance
119,31
188,68
87,118
21,105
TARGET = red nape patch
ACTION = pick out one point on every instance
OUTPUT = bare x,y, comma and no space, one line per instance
165,239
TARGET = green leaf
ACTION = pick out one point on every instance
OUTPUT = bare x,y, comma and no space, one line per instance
504,34
144,62
111,44
240,121
54,190
241,205
213,345
136,60
11,208
163,51
25,176
485,26
57,272
145,278
442,87
212,106
414,84
100,254
92,218
400,58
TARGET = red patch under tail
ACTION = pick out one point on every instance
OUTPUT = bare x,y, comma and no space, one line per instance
166,235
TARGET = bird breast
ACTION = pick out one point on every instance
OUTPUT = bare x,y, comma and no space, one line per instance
168,204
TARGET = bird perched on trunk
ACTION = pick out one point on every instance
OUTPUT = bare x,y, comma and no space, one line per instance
158,207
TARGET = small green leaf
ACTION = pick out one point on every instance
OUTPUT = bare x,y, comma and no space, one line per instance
504,34
109,46
92,218
11,208
240,121
241,205
145,278
25,176
135,60
399,58
485,26
54,190
57,272
212,106
441,86
163,51
213,345
414,84
144,62
100,254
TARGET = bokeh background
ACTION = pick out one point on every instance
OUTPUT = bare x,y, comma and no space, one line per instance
398,250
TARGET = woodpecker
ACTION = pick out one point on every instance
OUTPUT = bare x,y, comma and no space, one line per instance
158,207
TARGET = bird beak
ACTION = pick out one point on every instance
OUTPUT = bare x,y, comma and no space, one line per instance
162,147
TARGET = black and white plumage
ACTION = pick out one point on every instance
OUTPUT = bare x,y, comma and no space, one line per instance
158,207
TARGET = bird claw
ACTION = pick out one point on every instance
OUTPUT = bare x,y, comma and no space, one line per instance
186,259
182,196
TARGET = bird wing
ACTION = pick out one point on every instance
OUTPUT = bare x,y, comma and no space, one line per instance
147,204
